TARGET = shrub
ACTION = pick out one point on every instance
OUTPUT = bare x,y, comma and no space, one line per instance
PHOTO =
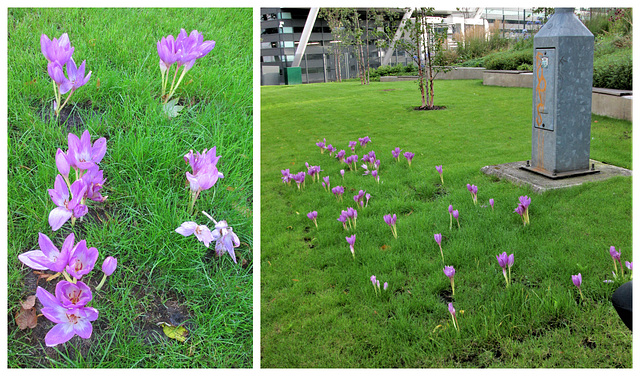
508,60
614,71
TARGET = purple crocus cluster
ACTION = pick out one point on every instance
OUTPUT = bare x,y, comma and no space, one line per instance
287,176
364,141
396,153
616,257
376,285
71,198
505,262
359,198
313,215
474,193
204,172
352,146
322,145
338,191
313,171
349,217
67,309
351,162
409,156
58,53
183,50
325,184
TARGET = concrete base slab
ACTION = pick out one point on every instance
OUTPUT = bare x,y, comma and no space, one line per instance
540,183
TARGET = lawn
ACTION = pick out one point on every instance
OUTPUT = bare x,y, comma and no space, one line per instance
318,305
161,276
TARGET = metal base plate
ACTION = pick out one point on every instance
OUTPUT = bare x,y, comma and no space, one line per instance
560,175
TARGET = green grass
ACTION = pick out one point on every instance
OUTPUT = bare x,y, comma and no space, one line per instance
161,275
318,307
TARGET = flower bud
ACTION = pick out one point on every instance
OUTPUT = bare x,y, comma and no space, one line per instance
109,265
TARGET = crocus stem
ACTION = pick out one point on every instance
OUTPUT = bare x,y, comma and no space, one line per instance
453,288
66,276
453,318
458,222
441,180
456,321
441,253
450,221
581,296
316,223
173,90
509,274
210,217
66,100
193,201
504,272
175,74
621,268
104,278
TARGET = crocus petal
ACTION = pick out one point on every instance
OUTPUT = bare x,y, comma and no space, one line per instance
61,162
46,298
59,194
60,333
98,150
58,216
35,260
187,228
83,328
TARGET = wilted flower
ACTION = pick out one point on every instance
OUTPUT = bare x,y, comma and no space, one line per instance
226,239
201,232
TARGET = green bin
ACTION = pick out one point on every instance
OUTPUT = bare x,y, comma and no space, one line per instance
293,76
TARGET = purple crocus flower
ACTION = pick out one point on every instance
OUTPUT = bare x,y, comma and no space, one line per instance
452,311
299,178
343,218
409,156
373,280
67,207
192,47
94,180
81,260
48,256
577,281
326,182
82,154
342,173
629,265
367,196
73,295
503,261
396,153
450,216
201,232
63,164
351,161
352,145
167,51
491,203
331,149
385,286
286,176
352,241
109,265
364,140
340,155
455,215
474,192
450,272
54,69
523,208
56,50
439,169
322,145
438,239
615,255
76,75
312,216
391,221
338,191
69,321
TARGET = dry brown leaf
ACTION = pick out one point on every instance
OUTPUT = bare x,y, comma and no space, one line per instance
29,302
26,318
231,189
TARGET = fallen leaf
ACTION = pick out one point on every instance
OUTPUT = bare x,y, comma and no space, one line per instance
175,332
98,83
384,247
171,108
26,318
295,280
269,262
230,189
434,329
30,82
29,302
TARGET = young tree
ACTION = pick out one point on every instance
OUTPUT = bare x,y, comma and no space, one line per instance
425,44
337,20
